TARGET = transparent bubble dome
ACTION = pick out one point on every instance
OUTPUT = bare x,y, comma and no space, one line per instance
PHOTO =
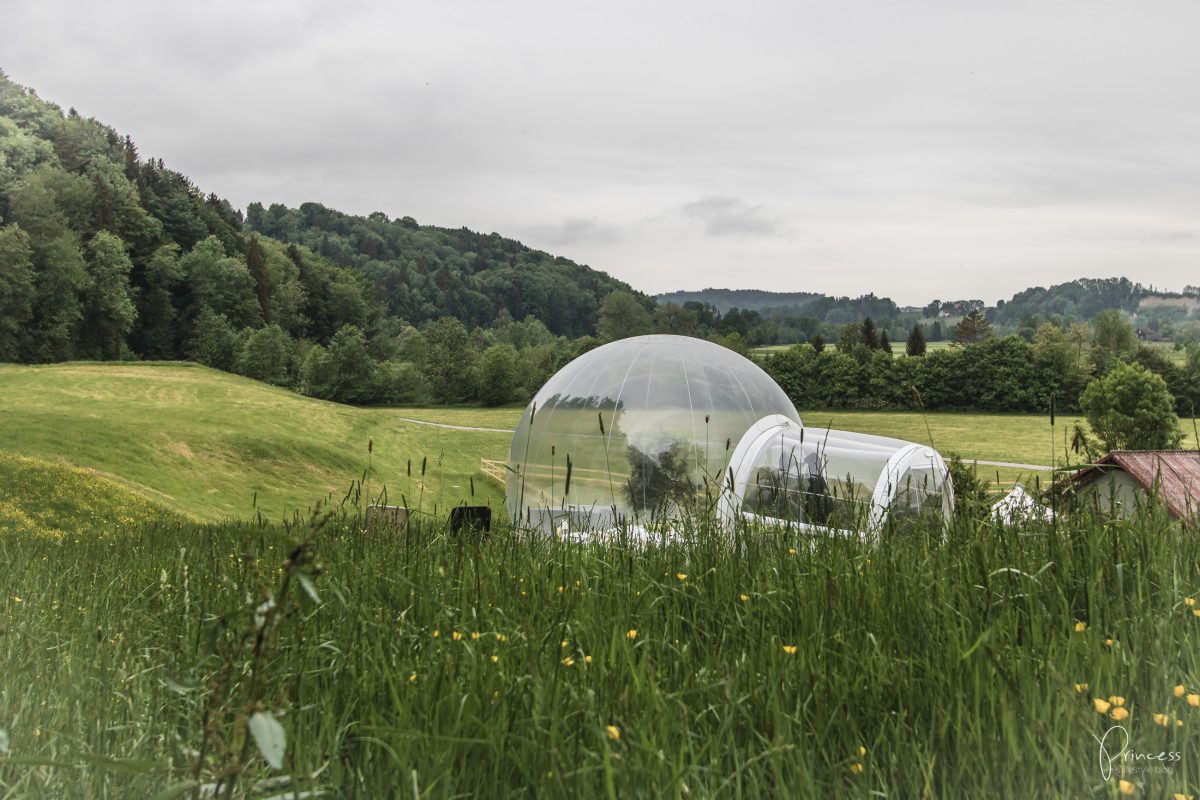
631,427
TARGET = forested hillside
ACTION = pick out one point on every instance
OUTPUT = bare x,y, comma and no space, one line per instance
105,254
419,273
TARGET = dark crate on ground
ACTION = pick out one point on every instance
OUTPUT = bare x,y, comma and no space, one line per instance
470,518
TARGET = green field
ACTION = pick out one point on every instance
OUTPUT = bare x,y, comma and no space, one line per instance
897,347
417,663
211,445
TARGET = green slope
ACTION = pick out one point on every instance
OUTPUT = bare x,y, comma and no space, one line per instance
207,443
49,499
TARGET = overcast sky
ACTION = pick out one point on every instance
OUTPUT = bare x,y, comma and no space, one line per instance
915,150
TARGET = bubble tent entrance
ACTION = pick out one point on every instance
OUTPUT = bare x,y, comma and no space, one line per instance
641,432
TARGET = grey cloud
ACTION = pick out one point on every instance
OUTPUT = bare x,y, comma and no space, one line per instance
730,216
573,231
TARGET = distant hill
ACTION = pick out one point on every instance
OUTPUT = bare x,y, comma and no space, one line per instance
745,299
834,310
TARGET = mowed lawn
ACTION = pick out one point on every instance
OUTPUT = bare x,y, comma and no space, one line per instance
214,445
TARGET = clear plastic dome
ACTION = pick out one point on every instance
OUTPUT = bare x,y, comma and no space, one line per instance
634,429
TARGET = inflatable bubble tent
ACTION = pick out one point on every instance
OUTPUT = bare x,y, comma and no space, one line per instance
652,427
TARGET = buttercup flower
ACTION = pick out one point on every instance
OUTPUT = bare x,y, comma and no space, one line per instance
1179,690
1116,700
568,662
743,597
1193,700
1102,706
681,576
1161,719
1126,787
856,768
1081,687
456,636
613,732
1189,601
1119,713
632,634
412,678
1080,627
790,649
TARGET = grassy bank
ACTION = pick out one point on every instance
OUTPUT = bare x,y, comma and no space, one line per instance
214,445
440,667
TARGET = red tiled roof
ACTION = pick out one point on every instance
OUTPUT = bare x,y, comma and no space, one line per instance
1175,472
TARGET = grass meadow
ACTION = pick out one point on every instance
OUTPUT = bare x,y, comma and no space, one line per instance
420,664
161,638
214,446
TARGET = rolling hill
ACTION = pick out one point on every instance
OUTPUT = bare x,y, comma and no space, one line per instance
212,445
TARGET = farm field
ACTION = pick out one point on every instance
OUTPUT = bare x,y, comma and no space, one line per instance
1178,357
1014,438
212,445
897,347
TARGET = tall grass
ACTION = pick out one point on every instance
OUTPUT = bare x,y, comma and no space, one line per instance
438,666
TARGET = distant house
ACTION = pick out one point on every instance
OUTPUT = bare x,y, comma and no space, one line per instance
1147,335
1117,482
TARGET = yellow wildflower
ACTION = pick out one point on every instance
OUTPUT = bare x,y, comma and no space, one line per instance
743,597
1080,626
1119,713
1180,691
1161,719
456,636
1196,612
495,659
1102,706
681,576
1109,642
862,750
562,589
856,768
587,659
1178,723
500,637
1194,700
568,662
564,644
1182,796
1116,700
1126,787
792,552
1189,601
632,634
1081,687
436,634
474,634
790,649
412,678
613,732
